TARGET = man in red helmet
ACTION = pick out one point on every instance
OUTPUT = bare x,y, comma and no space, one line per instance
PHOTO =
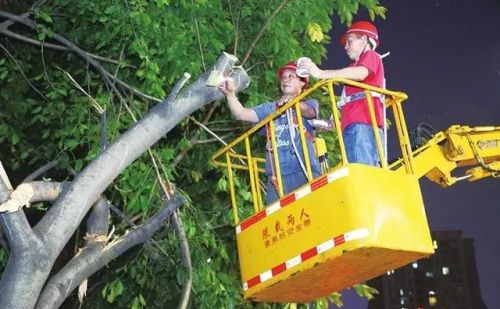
359,42
288,142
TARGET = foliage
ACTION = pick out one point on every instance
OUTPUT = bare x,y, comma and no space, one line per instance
44,117
365,291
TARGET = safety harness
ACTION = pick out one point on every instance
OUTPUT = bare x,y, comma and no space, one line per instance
292,122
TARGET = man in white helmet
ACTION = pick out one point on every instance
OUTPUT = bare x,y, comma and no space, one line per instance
360,41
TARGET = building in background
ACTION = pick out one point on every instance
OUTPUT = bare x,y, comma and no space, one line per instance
446,280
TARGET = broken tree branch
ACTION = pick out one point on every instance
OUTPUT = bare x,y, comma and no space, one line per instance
91,259
32,192
59,286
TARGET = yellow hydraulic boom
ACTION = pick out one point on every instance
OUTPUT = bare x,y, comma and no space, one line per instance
477,148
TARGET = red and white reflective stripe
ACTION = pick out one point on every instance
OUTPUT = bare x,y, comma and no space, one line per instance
306,255
286,200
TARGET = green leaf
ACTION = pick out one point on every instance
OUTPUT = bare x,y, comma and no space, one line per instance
104,291
14,139
36,110
335,298
45,17
119,288
365,291
196,176
112,9
315,33
135,303
142,301
222,184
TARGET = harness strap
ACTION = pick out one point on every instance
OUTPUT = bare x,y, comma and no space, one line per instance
354,97
307,133
269,149
292,139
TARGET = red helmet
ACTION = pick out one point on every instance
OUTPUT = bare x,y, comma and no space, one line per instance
292,66
362,28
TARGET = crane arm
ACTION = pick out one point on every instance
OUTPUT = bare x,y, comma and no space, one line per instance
456,147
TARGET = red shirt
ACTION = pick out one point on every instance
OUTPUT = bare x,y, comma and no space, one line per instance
357,111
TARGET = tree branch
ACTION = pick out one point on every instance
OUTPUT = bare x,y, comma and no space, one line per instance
132,89
103,132
98,221
91,259
186,260
46,191
122,215
20,267
32,192
97,229
196,135
5,186
40,171
108,76
4,30
199,43
74,48
7,52
6,24
261,32
211,140
236,26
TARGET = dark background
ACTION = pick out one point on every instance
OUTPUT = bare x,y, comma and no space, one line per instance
446,56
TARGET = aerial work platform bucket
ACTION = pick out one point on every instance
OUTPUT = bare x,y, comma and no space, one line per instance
342,228
346,227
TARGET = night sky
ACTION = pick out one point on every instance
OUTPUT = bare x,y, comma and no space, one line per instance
446,56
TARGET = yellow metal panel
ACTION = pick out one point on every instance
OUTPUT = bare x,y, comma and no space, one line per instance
380,211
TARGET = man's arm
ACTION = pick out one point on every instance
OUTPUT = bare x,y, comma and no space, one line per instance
358,73
307,110
237,109
352,73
